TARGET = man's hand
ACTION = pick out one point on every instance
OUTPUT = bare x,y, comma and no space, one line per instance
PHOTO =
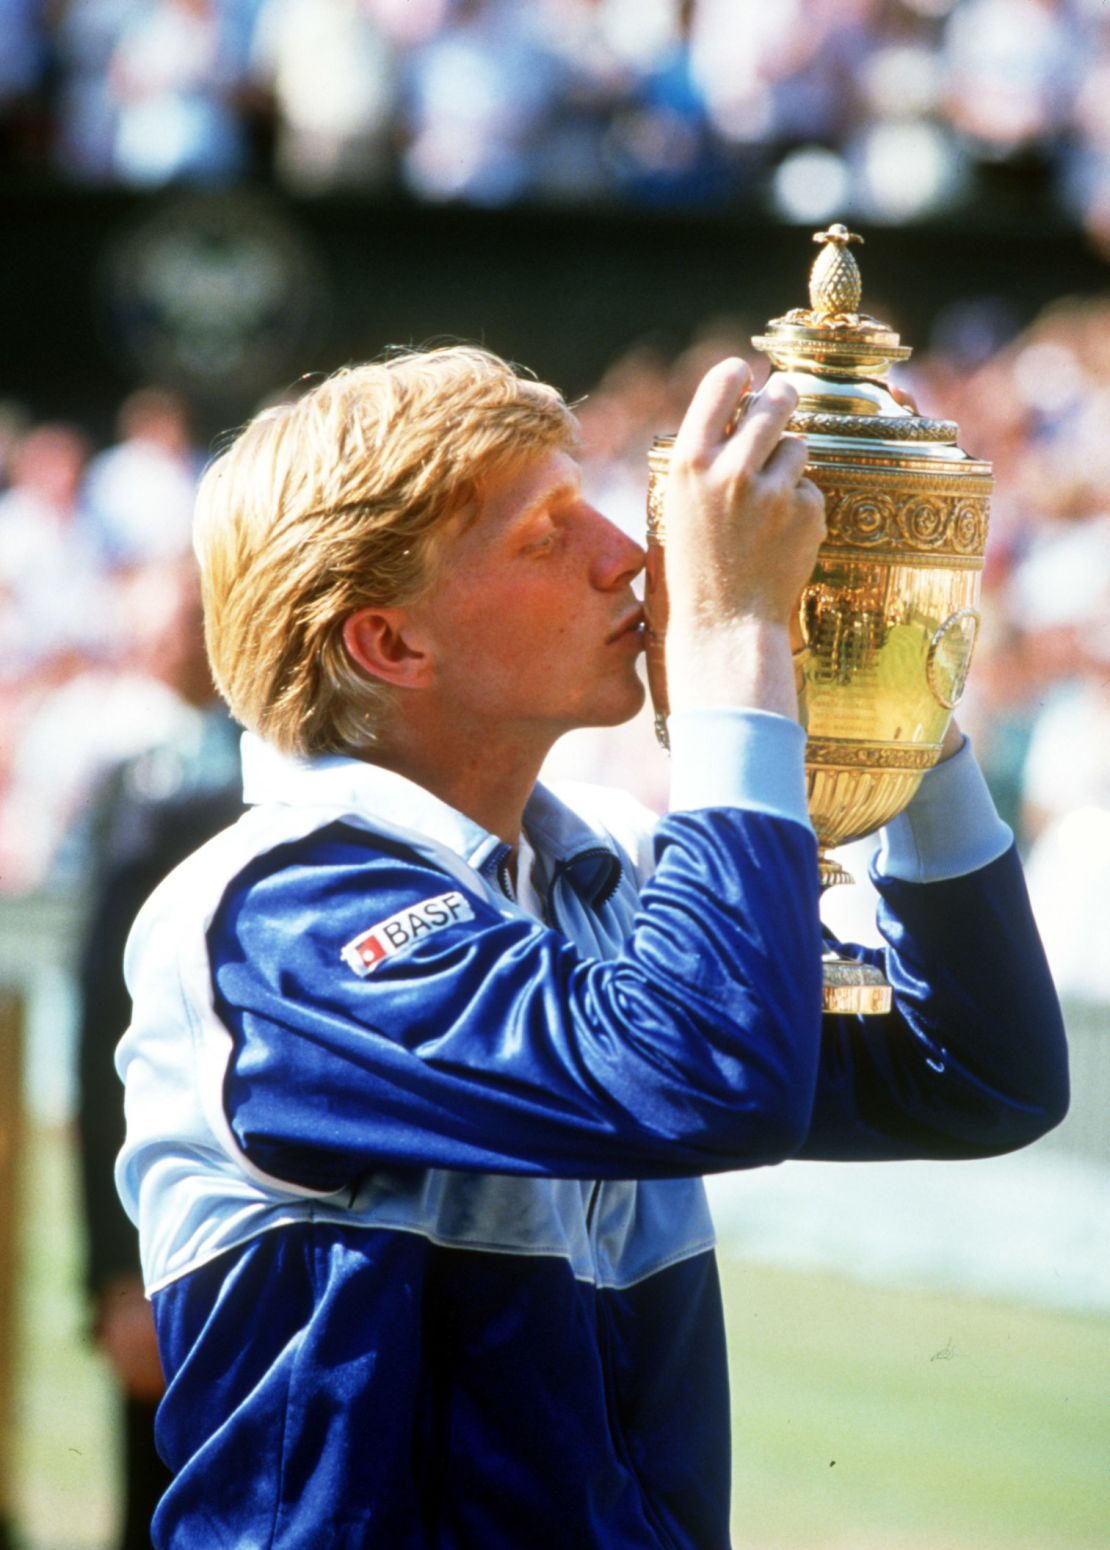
125,1333
743,526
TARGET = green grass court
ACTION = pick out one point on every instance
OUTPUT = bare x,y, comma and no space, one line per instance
864,1417
872,1417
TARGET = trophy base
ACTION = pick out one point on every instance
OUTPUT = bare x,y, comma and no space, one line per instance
853,987
830,873
848,986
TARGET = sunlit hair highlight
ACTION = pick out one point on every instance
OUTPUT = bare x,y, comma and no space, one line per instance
334,502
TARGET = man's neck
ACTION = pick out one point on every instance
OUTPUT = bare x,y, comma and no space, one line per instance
489,778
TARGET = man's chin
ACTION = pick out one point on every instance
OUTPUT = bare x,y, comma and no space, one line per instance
625,708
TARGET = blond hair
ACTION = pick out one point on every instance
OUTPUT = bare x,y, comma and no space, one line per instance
334,503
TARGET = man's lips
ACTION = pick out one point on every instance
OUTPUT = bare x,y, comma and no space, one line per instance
630,626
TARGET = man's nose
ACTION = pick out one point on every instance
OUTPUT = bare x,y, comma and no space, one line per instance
618,559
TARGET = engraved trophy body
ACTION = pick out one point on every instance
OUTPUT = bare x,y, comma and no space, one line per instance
885,628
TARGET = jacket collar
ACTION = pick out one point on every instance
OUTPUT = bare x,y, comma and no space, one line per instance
568,843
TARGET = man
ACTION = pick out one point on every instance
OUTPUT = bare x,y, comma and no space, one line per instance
424,1069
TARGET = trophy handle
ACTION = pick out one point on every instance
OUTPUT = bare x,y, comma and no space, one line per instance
848,986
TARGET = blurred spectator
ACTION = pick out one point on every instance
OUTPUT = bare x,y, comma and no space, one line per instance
14,424
1011,68
139,493
148,813
86,35
174,79
660,147
1066,778
587,42
906,161
1086,170
1063,586
332,70
628,407
53,598
1068,873
22,48
478,95
110,710
24,60
740,48
1008,684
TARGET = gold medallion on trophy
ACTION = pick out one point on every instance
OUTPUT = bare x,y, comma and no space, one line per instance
886,625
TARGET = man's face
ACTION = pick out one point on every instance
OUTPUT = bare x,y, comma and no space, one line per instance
533,621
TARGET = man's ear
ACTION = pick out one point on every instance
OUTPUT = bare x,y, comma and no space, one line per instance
385,643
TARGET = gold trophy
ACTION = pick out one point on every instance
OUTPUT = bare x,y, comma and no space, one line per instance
885,628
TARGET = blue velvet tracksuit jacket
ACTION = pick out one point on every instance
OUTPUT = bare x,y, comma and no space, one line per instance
417,1174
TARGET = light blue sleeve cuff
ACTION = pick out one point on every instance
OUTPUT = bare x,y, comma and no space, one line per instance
950,828
738,758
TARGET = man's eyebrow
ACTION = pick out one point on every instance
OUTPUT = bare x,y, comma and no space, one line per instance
468,512
552,493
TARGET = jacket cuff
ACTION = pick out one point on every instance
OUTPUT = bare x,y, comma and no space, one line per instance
950,828
738,758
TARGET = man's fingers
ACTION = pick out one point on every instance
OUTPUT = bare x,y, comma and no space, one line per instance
724,410
788,458
714,406
815,497
758,435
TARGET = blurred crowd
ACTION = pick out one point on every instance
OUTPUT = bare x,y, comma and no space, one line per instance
99,624
888,109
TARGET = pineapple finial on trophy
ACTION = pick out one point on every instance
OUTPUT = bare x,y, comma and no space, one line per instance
835,286
832,335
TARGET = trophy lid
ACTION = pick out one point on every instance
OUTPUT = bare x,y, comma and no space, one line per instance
832,334
837,357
